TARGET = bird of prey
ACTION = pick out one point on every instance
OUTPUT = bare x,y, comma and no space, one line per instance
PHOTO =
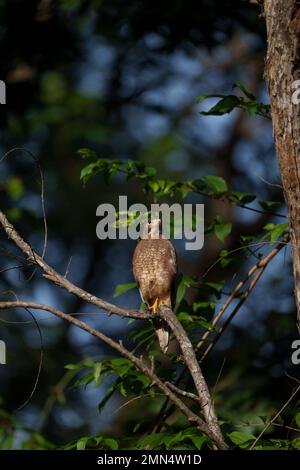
155,269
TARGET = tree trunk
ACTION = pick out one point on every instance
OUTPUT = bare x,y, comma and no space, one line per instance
282,70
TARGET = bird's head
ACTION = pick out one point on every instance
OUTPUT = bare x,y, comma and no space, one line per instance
154,229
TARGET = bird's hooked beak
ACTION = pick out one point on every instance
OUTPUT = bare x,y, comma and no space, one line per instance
154,229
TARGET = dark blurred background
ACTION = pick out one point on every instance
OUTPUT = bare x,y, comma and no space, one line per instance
122,77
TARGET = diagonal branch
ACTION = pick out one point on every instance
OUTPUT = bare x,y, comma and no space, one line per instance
192,364
61,281
271,422
136,361
261,265
167,314
233,313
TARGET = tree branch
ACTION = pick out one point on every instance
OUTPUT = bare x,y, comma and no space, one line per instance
183,393
136,361
233,313
211,426
61,281
261,265
191,363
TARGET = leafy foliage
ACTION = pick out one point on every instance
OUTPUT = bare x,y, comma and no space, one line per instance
228,103
61,104
123,288
195,318
132,381
213,186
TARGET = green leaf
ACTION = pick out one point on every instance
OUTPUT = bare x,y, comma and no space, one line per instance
224,106
121,365
185,317
296,443
109,393
184,191
216,286
221,229
81,443
239,437
202,98
180,292
246,239
204,306
171,440
111,443
269,205
7,442
198,441
87,379
153,440
97,372
42,442
242,198
185,281
154,185
195,436
88,171
251,107
150,171
136,427
122,288
72,366
217,184
197,184
244,90
229,102
275,231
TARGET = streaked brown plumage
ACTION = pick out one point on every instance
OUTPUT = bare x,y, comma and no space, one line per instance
154,269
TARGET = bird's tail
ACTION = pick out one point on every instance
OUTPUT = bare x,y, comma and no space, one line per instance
163,334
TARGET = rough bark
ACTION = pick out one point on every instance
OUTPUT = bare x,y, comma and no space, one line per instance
282,69
192,364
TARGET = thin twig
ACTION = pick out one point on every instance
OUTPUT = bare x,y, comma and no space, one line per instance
183,393
137,398
38,374
275,185
240,248
275,417
231,316
163,411
290,428
37,163
261,264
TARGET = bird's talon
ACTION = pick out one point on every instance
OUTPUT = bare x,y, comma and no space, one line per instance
153,308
